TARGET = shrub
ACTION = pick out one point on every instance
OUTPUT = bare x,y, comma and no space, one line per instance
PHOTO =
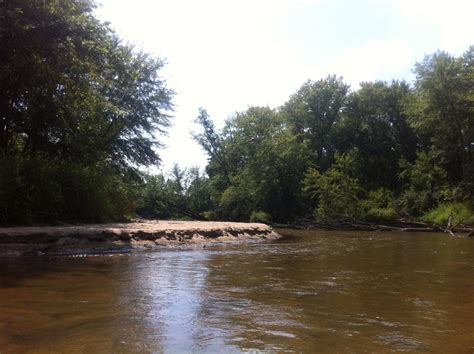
381,214
334,192
43,190
260,216
424,183
378,206
236,203
209,215
379,198
461,212
14,193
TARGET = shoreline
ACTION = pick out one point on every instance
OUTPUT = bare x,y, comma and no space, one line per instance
125,237
465,230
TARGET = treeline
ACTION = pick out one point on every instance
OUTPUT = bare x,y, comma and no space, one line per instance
79,111
379,153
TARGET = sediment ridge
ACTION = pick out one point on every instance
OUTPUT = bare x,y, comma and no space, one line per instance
123,237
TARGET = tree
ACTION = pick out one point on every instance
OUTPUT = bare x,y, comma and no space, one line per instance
264,164
71,89
208,138
424,181
79,112
376,124
443,110
312,113
198,196
218,167
183,193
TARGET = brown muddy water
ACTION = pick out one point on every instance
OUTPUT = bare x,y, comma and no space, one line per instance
307,292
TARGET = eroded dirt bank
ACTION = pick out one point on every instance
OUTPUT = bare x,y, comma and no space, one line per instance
103,238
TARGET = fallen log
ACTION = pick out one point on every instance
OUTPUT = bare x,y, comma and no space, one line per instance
365,226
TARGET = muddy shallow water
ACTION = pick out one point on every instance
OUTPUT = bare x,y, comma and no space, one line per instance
309,291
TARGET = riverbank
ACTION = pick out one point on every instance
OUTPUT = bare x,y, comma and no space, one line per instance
122,237
405,226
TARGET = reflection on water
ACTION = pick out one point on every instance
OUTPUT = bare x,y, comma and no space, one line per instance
310,291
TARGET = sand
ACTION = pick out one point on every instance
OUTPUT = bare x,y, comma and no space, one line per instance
124,237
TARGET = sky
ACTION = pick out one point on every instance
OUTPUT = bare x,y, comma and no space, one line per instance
228,55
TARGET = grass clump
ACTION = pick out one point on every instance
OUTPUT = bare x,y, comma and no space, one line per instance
381,214
460,213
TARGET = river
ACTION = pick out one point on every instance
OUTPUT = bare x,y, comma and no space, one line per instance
311,291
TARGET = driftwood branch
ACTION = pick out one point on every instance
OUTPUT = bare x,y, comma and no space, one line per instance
389,226
450,228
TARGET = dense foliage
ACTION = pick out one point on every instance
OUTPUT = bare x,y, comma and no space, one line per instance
79,111
379,153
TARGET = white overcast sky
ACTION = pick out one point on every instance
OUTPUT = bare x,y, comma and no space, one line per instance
228,55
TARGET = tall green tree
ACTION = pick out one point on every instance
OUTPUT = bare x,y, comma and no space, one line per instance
71,89
79,112
443,110
313,111
375,123
218,167
265,166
